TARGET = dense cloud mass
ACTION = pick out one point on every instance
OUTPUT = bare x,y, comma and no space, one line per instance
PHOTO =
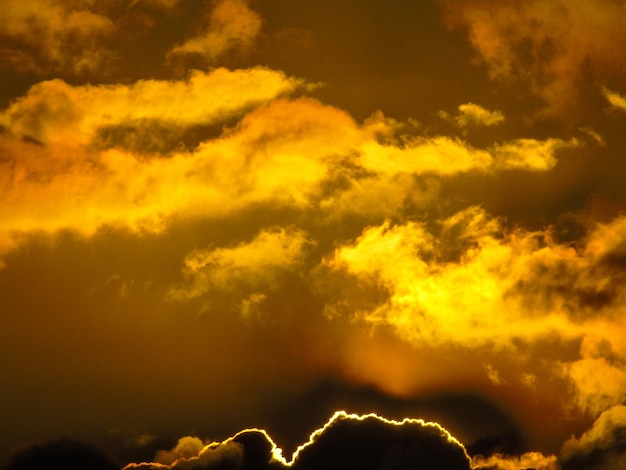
345,441
233,218
559,48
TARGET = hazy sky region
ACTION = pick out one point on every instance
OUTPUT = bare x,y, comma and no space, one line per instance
390,233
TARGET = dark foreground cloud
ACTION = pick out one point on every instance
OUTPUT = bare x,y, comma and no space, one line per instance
60,454
345,441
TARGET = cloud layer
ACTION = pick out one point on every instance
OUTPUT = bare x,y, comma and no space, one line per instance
345,441
202,220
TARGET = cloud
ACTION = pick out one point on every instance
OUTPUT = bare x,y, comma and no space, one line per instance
62,453
437,297
552,46
255,265
471,114
492,280
186,447
603,446
530,154
468,282
599,376
369,441
345,441
529,460
232,25
299,153
55,35
54,112
615,99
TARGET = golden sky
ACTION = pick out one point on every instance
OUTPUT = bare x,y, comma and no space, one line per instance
222,222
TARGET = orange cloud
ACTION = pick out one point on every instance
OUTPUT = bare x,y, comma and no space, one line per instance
55,112
472,284
602,446
529,460
232,25
255,264
290,152
437,300
473,114
58,35
550,45
615,99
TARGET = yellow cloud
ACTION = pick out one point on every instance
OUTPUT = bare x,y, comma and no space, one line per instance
64,35
294,153
530,154
255,264
441,155
232,25
55,112
534,460
551,44
602,437
473,284
474,114
186,448
615,99
466,302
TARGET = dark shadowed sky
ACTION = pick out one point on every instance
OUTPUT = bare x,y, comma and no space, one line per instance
223,221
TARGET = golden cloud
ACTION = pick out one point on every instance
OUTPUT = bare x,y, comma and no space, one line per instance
296,153
615,99
473,284
255,264
550,45
603,442
436,300
529,460
55,112
232,25
61,35
473,114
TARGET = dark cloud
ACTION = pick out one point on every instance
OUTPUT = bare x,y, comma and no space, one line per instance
61,454
370,442
346,441
602,447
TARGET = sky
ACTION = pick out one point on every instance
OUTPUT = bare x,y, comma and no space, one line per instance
264,234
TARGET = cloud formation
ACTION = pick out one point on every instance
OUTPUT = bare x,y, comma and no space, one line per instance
615,99
601,447
551,46
473,114
59,139
254,265
345,441
191,242
56,35
232,25
62,453
53,112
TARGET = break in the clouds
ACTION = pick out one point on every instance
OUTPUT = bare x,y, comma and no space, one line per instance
200,235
